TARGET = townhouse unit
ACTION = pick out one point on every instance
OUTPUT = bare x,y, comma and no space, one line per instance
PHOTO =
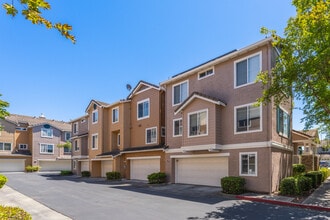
34,141
214,127
126,136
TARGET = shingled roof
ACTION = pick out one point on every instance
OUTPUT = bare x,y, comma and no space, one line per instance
31,121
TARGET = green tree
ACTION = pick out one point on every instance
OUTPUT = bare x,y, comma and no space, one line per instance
303,67
32,11
3,106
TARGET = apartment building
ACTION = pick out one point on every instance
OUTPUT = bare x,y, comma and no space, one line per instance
214,127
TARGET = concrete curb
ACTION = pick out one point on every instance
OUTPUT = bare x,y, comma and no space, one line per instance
283,203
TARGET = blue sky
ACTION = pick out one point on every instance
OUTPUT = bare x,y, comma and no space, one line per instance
120,42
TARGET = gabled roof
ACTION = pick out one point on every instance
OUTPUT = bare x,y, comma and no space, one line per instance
312,133
198,95
30,121
141,86
98,103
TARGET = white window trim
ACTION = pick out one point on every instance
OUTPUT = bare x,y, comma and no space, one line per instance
83,120
211,68
65,133
77,128
245,58
97,111
137,109
20,148
235,117
174,120
207,123
281,133
3,145
240,163
46,152
116,108
97,144
118,140
146,138
186,81
41,133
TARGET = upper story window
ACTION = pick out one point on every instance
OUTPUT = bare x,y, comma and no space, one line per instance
198,122
247,69
247,118
177,127
47,132
95,116
151,135
83,120
95,141
5,146
283,122
67,136
47,148
115,115
21,129
67,150
206,73
118,139
75,145
143,109
23,146
75,128
248,164
180,92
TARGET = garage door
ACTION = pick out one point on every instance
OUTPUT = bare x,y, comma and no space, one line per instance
141,168
12,165
201,170
55,165
84,166
106,166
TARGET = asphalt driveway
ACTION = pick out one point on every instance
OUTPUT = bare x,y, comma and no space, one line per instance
89,198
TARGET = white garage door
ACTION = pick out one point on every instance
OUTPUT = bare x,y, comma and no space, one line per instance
57,165
106,166
12,165
201,170
141,168
84,166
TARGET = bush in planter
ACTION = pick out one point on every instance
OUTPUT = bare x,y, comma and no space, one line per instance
113,175
3,180
85,173
304,185
325,173
7,212
233,184
32,168
288,186
159,177
66,172
316,177
298,169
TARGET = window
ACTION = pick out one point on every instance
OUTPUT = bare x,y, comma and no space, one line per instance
94,141
151,135
67,150
67,136
118,139
180,92
248,164
75,145
115,115
177,127
248,118
21,129
197,123
163,131
83,120
23,146
5,146
95,116
75,128
246,70
283,123
47,148
206,73
74,164
47,132
143,109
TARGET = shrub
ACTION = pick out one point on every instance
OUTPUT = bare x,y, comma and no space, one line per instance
7,212
325,173
32,168
113,175
316,177
232,184
3,180
159,177
298,169
304,185
85,173
288,186
66,172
